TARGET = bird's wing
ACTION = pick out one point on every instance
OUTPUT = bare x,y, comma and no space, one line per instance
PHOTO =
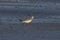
27,18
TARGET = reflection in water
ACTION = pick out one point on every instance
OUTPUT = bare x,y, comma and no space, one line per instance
27,25
27,28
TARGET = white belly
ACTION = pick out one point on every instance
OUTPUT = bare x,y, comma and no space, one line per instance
27,21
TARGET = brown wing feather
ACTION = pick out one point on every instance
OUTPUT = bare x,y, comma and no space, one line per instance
27,19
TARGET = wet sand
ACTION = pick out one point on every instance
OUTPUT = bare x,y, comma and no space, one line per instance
32,31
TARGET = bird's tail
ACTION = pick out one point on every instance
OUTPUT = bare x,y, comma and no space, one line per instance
20,19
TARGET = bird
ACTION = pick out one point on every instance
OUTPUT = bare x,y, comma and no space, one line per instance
27,20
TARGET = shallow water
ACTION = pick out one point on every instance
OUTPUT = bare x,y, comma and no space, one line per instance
32,31
45,26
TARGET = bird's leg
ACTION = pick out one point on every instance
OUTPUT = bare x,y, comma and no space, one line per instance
25,24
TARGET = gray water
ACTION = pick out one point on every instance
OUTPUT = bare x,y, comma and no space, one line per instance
45,26
44,12
33,31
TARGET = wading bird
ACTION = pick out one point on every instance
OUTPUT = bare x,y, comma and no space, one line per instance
27,20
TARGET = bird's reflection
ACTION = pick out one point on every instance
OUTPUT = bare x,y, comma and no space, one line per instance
26,28
27,25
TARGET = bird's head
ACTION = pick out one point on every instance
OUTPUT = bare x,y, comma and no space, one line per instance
32,17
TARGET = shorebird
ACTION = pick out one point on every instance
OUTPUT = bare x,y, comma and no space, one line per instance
27,20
